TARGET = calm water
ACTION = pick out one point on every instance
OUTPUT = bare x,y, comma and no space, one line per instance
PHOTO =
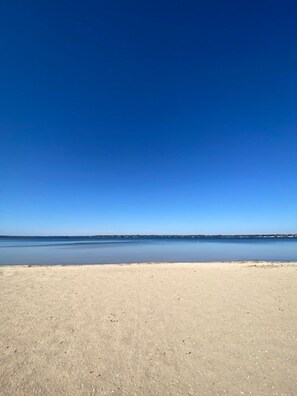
78,250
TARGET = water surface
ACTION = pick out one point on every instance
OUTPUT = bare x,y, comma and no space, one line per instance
92,250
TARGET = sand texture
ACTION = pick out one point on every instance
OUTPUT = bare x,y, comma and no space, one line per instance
159,329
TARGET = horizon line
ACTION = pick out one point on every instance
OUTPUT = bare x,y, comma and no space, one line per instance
143,235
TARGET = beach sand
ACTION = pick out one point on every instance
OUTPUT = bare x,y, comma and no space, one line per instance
149,329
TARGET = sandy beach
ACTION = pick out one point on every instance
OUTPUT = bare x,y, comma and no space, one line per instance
149,329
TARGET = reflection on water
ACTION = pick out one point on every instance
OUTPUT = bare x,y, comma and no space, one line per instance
78,250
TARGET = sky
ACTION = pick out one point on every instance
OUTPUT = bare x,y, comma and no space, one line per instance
160,117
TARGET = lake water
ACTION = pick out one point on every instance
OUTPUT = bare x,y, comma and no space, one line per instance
91,250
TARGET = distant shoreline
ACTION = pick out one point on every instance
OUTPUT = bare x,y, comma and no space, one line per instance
152,236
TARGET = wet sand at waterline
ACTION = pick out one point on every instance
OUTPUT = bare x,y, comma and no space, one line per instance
149,329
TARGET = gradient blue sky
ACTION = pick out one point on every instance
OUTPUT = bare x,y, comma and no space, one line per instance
148,117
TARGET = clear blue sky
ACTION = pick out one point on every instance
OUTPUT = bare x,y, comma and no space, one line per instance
148,117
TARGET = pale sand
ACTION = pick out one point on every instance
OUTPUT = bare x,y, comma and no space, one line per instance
171,329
